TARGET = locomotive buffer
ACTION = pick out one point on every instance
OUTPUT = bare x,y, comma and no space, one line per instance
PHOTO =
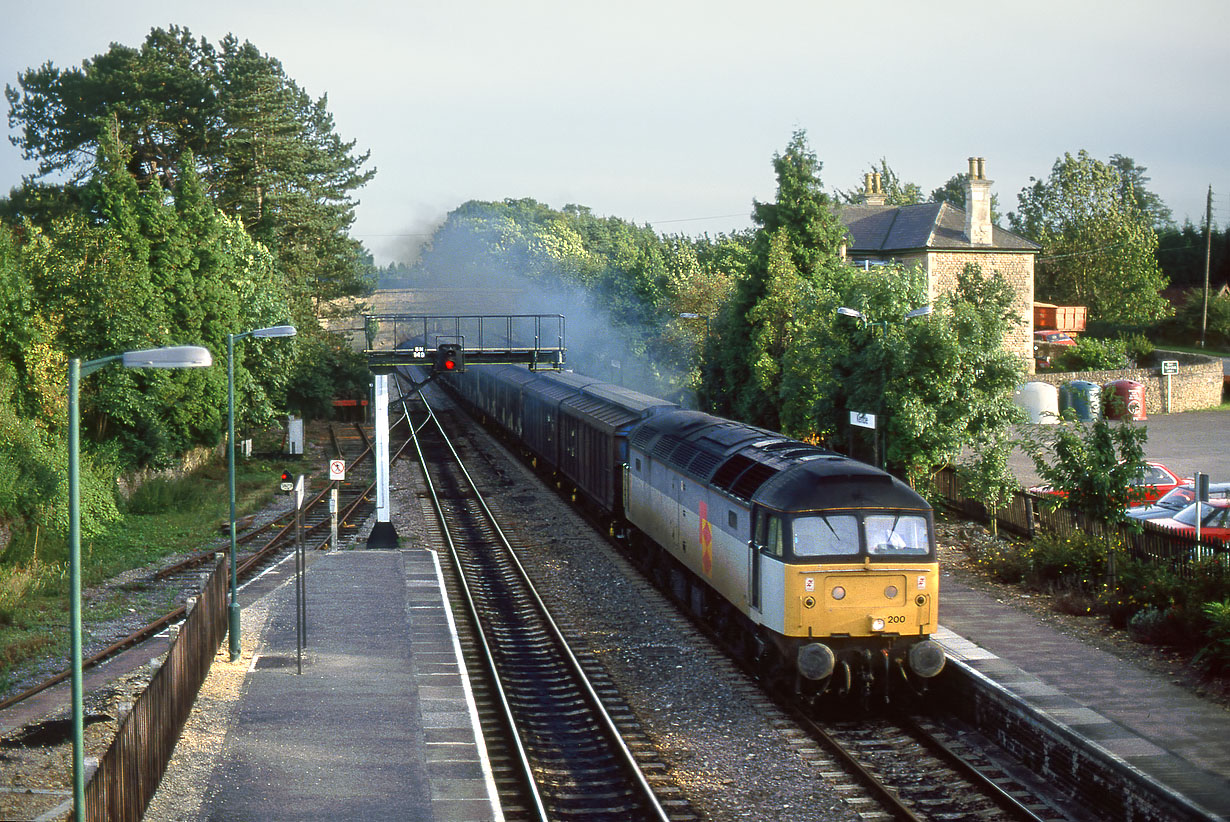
446,344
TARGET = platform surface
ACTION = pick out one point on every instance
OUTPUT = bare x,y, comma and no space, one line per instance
1178,739
379,724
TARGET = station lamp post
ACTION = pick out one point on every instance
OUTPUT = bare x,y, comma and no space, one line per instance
179,356
271,331
858,315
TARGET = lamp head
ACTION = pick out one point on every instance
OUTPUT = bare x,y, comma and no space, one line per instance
275,331
175,356
850,312
919,312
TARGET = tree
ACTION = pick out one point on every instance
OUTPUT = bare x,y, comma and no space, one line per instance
939,383
269,153
162,96
896,193
798,236
1099,247
1094,465
282,169
1133,187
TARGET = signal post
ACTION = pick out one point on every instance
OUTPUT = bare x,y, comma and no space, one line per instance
444,345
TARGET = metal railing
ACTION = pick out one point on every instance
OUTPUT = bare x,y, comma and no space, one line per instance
130,770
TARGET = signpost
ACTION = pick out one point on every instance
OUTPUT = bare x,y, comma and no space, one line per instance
863,419
337,473
300,567
1169,369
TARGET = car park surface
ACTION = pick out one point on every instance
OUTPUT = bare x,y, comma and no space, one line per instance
1188,442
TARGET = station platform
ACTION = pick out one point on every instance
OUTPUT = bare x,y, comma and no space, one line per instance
380,724
1142,718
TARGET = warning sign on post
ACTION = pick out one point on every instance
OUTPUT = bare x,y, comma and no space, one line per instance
337,470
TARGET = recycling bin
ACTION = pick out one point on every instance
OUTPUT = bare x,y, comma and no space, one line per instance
1040,401
1083,398
1124,400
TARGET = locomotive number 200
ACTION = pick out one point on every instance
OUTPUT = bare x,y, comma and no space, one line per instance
893,619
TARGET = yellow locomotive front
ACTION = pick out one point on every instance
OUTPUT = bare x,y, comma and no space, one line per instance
859,588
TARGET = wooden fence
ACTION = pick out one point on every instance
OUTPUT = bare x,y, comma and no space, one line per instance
129,772
1029,513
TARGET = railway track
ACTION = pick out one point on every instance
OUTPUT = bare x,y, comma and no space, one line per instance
566,756
911,768
271,538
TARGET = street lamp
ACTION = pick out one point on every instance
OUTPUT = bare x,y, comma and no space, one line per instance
271,331
179,356
691,316
921,311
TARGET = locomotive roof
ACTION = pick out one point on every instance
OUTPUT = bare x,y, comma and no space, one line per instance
774,470
841,483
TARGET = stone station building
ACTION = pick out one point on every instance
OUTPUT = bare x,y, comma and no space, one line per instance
941,240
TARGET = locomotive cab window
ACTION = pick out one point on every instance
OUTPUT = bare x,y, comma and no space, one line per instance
775,540
832,535
896,535
768,534
889,535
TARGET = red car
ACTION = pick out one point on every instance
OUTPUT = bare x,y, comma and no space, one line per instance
1053,337
1214,519
1154,482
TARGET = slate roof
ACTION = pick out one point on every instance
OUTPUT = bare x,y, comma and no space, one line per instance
930,226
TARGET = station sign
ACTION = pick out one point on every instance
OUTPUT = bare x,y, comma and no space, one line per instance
862,419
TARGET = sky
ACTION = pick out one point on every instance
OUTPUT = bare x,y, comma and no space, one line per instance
668,113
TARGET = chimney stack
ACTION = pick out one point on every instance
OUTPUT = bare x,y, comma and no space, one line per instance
873,189
978,203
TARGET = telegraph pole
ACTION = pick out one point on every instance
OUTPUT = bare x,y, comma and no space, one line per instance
1208,253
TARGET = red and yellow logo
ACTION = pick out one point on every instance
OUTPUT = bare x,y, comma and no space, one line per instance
706,541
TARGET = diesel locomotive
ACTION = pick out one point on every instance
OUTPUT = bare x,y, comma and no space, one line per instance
819,569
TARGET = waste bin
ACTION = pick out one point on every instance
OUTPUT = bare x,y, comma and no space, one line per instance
1084,398
1040,401
1124,400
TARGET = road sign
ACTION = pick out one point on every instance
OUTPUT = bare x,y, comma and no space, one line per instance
1170,367
337,469
862,420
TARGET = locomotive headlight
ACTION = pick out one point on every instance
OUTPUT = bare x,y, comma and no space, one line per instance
839,592
877,623
890,592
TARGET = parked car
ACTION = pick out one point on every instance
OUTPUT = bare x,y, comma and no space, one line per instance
1176,500
1053,337
1214,519
1154,482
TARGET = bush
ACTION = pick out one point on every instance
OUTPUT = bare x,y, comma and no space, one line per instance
1187,322
159,494
1076,563
1215,656
1002,560
1138,348
1090,354
1160,627
325,369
